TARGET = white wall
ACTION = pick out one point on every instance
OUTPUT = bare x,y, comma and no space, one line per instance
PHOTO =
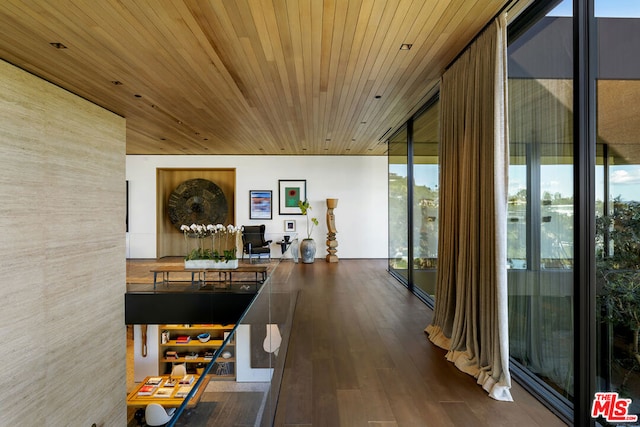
244,371
149,365
359,182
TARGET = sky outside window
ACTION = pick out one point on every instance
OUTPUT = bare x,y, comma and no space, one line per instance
604,9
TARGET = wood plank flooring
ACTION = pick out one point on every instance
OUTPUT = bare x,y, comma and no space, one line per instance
358,356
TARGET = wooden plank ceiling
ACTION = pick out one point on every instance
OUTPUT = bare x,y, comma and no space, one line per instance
317,77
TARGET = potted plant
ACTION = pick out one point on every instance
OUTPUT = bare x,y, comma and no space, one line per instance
308,245
222,250
618,252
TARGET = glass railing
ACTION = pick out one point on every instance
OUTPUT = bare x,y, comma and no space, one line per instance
257,346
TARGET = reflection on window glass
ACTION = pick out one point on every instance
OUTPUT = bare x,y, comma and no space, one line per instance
541,203
398,214
556,229
617,198
425,199
517,209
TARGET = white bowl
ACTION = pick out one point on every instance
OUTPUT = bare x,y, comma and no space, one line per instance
204,337
226,354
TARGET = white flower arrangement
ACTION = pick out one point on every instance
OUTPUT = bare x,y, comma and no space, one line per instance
223,241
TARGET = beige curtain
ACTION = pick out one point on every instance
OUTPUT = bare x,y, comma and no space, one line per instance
470,318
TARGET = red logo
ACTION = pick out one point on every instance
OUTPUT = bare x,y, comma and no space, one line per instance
612,408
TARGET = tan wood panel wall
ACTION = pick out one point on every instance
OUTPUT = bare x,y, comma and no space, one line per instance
62,247
170,241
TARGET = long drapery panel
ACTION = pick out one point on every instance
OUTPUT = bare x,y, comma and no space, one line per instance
470,318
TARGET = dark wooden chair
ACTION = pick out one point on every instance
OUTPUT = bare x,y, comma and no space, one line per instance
253,242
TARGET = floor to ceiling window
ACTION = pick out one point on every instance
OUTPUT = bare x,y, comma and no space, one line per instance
554,130
424,164
541,204
413,201
617,198
398,205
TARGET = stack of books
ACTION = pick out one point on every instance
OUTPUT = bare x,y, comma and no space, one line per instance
183,339
187,379
150,386
170,354
183,391
164,392
154,381
146,390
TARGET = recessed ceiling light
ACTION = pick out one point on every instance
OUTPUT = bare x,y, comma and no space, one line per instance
405,46
58,45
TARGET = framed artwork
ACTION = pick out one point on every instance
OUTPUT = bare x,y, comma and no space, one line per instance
291,192
260,205
290,225
126,214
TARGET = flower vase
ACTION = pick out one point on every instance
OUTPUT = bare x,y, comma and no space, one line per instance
308,251
295,250
210,264
198,263
229,264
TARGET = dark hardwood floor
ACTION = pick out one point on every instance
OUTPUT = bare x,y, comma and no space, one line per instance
358,356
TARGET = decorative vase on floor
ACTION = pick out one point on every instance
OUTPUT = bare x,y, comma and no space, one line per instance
295,249
308,251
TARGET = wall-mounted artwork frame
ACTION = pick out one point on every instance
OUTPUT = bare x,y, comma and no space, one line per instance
291,191
260,204
126,214
289,225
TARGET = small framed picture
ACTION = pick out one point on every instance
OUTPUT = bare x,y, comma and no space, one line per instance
290,225
291,191
260,204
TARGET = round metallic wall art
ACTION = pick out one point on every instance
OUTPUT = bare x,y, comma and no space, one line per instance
197,201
